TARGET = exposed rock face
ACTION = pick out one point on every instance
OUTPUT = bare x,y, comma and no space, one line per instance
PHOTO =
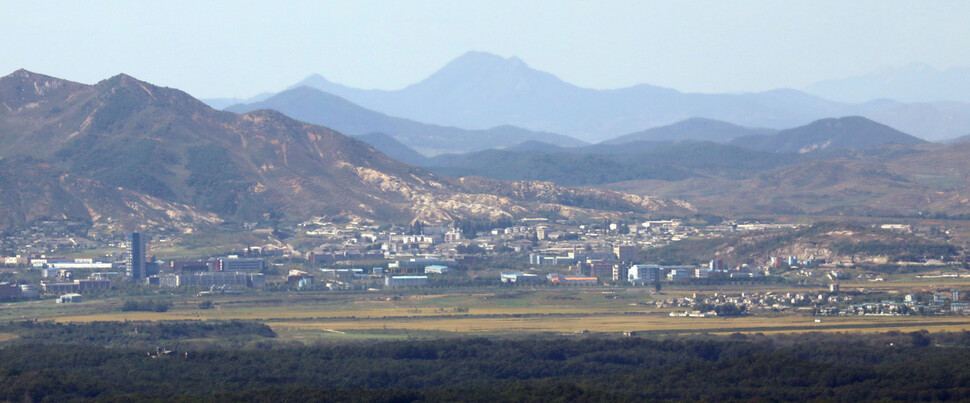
550,193
40,192
839,244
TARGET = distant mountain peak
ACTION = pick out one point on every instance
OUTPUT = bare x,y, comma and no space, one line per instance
314,81
121,79
479,57
124,89
304,89
487,76
477,63
23,73
844,121
27,75
313,78
700,120
30,85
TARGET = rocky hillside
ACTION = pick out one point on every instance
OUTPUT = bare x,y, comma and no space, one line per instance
849,245
43,192
894,180
162,144
837,243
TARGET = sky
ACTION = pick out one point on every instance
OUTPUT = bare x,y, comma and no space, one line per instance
241,48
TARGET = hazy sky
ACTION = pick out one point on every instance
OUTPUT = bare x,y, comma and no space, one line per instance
240,48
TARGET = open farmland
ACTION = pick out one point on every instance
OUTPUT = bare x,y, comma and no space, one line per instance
312,316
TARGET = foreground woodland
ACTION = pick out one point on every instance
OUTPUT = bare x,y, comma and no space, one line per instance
234,361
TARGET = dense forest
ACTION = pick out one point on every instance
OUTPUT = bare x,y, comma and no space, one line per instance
52,363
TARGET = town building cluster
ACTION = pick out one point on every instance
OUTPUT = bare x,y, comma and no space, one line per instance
416,256
534,252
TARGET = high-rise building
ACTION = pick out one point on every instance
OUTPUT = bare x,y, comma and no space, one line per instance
626,253
135,258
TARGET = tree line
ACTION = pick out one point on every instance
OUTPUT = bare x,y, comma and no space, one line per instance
814,366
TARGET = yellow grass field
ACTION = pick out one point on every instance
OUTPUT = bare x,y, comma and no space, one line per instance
614,324
372,312
370,307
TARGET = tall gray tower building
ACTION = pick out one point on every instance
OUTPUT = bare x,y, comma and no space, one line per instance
135,256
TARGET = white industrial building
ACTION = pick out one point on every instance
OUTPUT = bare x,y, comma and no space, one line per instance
643,273
405,281
217,279
516,278
69,299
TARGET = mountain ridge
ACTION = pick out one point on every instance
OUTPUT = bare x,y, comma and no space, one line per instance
698,129
912,83
482,98
263,166
318,107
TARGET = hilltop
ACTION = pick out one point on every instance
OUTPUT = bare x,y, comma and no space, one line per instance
852,132
697,129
